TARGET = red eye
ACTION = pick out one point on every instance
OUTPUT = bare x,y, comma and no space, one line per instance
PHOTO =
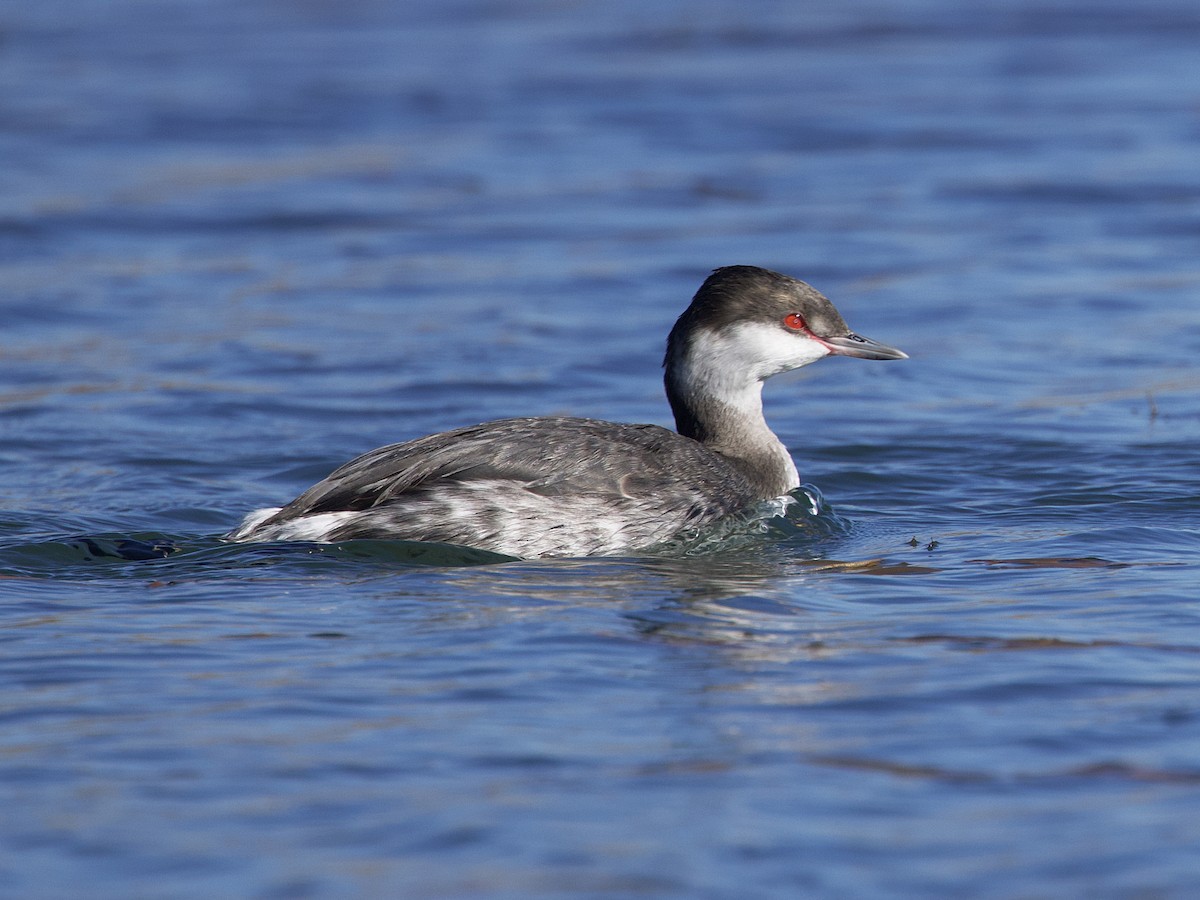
794,322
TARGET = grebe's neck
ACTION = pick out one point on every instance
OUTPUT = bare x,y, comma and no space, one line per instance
714,384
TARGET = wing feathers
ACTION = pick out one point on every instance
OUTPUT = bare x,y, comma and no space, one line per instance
547,456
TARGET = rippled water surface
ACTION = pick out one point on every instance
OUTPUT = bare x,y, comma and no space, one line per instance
243,242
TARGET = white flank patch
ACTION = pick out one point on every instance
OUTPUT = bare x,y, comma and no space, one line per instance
306,528
252,521
309,528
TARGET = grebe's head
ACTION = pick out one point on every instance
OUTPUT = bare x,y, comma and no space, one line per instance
753,323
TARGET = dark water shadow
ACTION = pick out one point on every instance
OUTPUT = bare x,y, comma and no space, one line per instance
1114,771
159,555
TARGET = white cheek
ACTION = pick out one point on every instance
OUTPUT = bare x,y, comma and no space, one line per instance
762,350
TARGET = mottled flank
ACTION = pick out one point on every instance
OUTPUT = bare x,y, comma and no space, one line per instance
523,487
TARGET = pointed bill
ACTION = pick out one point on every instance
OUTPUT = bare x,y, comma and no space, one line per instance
864,348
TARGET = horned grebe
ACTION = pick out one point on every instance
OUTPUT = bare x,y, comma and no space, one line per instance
556,486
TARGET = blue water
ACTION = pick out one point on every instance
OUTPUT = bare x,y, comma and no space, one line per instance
241,243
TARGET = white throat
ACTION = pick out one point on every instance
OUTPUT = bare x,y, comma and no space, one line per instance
720,377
